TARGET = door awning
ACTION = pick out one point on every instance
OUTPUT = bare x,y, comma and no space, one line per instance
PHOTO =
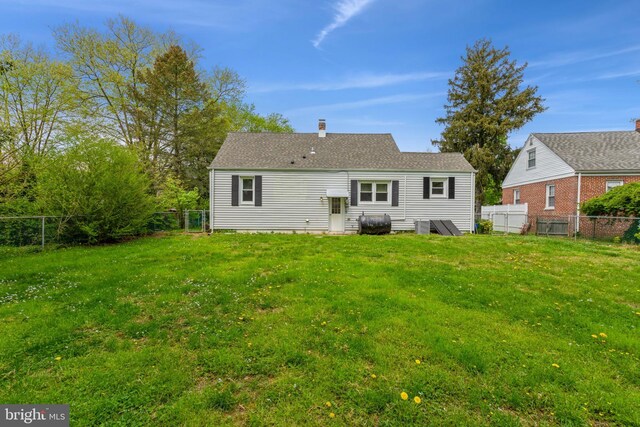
333,192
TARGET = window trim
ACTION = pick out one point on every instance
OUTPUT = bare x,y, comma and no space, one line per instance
535,158
546,201
445,188
241,189
516,200
374,192
606,185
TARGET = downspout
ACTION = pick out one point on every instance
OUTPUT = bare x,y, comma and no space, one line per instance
473,202
578,203
211,198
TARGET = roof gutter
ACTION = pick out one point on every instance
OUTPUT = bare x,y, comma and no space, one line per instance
610,172
340,170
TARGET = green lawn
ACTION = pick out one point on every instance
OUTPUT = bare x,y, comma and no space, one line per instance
289,329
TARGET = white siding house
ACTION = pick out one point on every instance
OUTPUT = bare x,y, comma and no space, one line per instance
535,163
322,183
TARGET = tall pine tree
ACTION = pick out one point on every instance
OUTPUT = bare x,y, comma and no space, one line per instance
485,104
171,91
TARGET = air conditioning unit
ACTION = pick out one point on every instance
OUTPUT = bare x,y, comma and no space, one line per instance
423,227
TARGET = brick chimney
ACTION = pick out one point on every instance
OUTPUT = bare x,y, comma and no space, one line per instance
638,125
322,128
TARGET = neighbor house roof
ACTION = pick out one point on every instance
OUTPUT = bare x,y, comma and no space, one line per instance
596,151
334,151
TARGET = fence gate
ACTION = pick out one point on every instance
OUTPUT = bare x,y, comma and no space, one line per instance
507,218
195,221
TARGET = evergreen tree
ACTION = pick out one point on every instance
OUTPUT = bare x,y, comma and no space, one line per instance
166,97
485,104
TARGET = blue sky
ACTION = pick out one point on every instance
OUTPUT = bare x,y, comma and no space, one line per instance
382,65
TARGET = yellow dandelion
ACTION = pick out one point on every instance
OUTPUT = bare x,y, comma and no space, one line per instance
555,365
418,361
332,415
404,395
594,336
328,404
58,357
417,399
323,323
603,335
374,376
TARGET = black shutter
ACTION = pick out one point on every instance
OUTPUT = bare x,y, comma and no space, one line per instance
426,184
395,193
235,189
258,190
354,192
452,187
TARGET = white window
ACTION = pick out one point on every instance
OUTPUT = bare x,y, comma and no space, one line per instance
551,197
516,197
374,192
438,187
613,184
531,161
247,190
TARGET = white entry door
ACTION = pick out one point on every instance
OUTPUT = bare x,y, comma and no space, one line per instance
336,214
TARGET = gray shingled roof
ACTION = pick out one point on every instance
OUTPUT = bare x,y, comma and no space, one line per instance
335,151
596,151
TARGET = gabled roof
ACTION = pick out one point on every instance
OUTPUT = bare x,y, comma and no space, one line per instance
334,151
596,151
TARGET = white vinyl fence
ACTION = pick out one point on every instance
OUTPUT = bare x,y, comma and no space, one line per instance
506,218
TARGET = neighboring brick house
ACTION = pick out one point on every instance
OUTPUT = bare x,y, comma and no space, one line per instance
555,172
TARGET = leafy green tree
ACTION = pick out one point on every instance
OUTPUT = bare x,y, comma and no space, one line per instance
107,65
243,118
173,196
125,83
98,188
37,100
485,104
37,96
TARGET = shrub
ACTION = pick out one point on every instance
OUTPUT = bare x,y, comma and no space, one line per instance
173,196
485,226
632,234
99,190
619,201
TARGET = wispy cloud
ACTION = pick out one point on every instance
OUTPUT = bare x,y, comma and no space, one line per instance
362,81
621,74
233,16
364,103
570,58
345,10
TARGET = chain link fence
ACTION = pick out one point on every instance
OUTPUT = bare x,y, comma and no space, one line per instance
45,230
196,221
29,230
165,221
622,229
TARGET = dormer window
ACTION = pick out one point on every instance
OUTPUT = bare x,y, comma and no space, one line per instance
531,161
